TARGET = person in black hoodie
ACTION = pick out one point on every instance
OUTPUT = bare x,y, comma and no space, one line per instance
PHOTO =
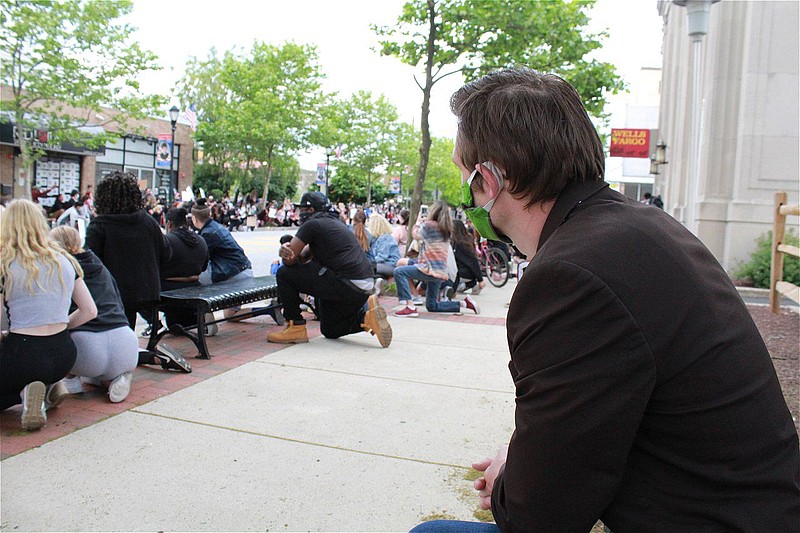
469,269
130,244
188,259
107,347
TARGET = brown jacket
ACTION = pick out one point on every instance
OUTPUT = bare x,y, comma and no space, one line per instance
645,394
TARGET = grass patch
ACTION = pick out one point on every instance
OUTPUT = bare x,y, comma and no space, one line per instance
483,516
438,516
390,289
472,474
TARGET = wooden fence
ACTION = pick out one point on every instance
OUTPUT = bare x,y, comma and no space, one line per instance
777,286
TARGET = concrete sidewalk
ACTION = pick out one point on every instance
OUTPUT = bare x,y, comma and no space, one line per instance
333,435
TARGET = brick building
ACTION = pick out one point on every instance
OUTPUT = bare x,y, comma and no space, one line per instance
65,167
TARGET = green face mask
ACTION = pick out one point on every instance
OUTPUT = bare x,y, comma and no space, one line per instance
479,215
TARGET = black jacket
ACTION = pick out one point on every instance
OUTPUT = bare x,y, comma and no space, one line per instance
645,395
189,254
104,291
132,247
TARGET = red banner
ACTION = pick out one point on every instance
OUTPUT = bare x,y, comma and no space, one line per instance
630,143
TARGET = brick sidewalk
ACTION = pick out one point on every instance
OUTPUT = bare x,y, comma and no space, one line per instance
234,345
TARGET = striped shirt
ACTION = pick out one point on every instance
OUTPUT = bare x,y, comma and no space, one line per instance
433,252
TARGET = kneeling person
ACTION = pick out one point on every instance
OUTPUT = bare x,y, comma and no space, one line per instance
325,260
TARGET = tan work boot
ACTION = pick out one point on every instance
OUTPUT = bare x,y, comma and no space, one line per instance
376,323
292,334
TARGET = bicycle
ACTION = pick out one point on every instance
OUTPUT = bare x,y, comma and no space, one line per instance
494,263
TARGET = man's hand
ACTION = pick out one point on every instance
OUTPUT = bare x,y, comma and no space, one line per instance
490,468
287,254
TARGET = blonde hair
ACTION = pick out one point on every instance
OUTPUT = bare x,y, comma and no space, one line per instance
378,225
68,238
24,238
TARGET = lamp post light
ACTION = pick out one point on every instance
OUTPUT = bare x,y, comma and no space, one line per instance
328,154
173,118
698,13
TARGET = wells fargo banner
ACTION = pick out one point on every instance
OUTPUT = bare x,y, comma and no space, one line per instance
626,142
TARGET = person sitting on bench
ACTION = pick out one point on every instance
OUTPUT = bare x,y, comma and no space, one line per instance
227,260
189,259
324,260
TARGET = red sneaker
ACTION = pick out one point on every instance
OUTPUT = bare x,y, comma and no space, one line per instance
407,312
470,304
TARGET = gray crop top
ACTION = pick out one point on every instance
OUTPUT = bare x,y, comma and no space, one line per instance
49,303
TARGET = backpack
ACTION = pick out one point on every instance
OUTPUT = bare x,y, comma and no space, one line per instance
657,202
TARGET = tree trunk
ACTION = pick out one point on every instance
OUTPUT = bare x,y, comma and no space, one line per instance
26,158
425,147
369,189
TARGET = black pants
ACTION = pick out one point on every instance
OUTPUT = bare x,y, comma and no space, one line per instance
28,358
339,305
146,309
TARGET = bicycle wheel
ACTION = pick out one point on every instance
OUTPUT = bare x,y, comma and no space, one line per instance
496,267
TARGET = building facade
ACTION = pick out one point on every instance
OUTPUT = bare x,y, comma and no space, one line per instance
749,134
66,167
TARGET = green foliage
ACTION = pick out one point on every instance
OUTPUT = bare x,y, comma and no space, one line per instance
442,173
256,107
63,58
285,174
757,269
370,132
474,37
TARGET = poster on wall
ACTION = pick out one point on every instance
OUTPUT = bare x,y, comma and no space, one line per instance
164,151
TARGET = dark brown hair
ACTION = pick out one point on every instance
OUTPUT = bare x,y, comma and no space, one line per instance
533,126
461,237
440,213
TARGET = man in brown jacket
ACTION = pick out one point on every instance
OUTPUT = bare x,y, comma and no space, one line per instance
645,396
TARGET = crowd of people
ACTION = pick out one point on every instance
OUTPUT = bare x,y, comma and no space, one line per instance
643,412
100,287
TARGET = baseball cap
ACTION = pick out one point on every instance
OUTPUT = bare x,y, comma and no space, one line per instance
315,200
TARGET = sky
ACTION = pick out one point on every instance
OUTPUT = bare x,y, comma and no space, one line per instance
346,45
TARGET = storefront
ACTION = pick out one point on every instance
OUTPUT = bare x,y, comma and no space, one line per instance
61,170
139,156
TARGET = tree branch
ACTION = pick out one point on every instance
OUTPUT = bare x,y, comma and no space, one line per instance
445,75
417,82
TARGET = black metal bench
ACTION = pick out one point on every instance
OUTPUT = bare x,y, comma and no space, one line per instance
215,297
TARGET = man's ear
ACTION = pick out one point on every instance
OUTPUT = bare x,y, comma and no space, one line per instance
491,182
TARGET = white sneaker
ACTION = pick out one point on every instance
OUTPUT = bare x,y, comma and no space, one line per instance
120,387
469,303
419,300
211,329
74,384
54,395
33,415
380,284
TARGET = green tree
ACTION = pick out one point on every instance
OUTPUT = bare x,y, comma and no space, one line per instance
258,106
64,61
443,175
370,132
473,37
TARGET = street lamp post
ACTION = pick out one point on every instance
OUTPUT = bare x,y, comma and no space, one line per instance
697,17
328,152
173,118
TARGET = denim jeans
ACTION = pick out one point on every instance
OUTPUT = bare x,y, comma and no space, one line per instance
455,526
401,276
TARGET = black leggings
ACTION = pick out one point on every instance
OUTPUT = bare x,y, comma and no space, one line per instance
28,358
